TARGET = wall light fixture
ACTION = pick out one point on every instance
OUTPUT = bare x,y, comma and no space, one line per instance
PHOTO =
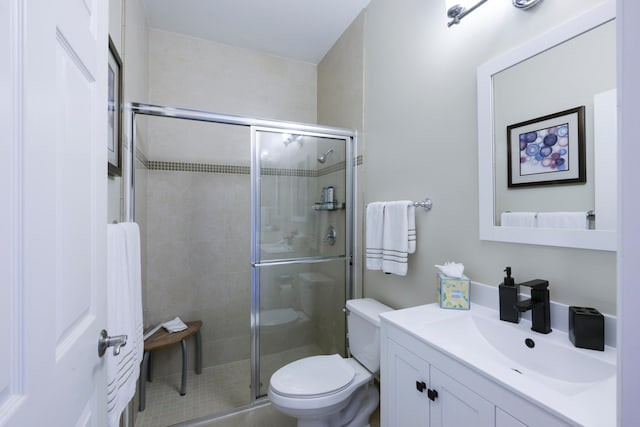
458,11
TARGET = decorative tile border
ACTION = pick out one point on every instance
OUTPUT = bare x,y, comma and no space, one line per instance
340,166
289,172
237,169
198,167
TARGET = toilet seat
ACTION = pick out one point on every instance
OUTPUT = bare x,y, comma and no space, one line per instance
314,376
326,402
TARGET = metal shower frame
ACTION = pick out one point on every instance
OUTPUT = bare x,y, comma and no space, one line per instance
132,110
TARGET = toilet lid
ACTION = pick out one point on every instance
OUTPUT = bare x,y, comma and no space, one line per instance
313,376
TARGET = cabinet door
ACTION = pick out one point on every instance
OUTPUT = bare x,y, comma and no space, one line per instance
456,405
408,403
505,420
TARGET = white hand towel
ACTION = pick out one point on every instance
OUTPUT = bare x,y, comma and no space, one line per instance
123,369
175,325
518,219
411,218
374,226
565,220
395,240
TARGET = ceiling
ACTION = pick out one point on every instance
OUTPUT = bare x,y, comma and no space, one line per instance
304,30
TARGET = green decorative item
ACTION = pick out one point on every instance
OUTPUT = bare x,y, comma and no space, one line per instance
454,293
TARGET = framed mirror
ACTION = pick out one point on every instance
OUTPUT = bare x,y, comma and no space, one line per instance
535,89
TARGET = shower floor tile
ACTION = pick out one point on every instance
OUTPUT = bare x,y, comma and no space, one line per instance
217,389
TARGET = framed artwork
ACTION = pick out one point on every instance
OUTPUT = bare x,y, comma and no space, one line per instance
114,108
547,150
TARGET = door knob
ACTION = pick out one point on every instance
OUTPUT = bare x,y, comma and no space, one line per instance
105,341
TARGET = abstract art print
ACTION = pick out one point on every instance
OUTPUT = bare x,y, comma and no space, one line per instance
547,150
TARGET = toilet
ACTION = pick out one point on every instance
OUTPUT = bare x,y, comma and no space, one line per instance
331,391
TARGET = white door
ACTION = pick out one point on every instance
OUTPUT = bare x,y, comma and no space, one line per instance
53,211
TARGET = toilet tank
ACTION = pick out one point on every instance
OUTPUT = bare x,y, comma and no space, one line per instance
363,325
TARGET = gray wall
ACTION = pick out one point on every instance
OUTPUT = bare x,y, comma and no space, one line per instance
421,140
341,104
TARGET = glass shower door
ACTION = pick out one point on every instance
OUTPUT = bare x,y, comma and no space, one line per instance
301,247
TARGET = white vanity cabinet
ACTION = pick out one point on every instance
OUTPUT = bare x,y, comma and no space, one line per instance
421,395
422,386
404,395
456,405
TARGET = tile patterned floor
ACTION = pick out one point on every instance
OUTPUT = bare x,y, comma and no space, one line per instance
217,389
267,416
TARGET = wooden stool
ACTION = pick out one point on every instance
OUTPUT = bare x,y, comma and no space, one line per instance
160,339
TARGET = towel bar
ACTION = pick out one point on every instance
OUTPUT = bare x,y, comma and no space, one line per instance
426,204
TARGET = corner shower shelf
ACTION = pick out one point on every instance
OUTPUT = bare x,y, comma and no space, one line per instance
328,206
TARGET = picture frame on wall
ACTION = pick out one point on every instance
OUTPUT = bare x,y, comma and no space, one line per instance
114,108
547,150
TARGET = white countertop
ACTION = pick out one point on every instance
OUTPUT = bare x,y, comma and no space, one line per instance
588,401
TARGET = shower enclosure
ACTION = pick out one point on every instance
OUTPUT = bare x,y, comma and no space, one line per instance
248,226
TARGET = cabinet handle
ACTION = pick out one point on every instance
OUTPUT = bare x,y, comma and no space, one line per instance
432,394
420,386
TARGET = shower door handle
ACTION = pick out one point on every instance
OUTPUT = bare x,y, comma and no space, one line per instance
105,341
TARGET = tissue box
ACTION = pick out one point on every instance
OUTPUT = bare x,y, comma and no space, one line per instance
454,293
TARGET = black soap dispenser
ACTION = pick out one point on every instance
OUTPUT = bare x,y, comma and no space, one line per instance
508,299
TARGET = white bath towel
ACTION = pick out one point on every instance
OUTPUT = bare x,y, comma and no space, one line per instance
124,317
132,230
374,227
565,220
395,237
518,219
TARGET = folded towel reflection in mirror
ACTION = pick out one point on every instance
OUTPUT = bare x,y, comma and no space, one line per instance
566,220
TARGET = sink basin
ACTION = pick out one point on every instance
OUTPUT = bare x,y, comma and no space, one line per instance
550,360
544,357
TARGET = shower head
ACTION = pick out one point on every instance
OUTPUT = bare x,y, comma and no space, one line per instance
323,158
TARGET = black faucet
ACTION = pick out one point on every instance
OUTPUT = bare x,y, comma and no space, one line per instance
538,304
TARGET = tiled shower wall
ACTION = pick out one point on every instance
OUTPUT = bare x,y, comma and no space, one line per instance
198,253
198,258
